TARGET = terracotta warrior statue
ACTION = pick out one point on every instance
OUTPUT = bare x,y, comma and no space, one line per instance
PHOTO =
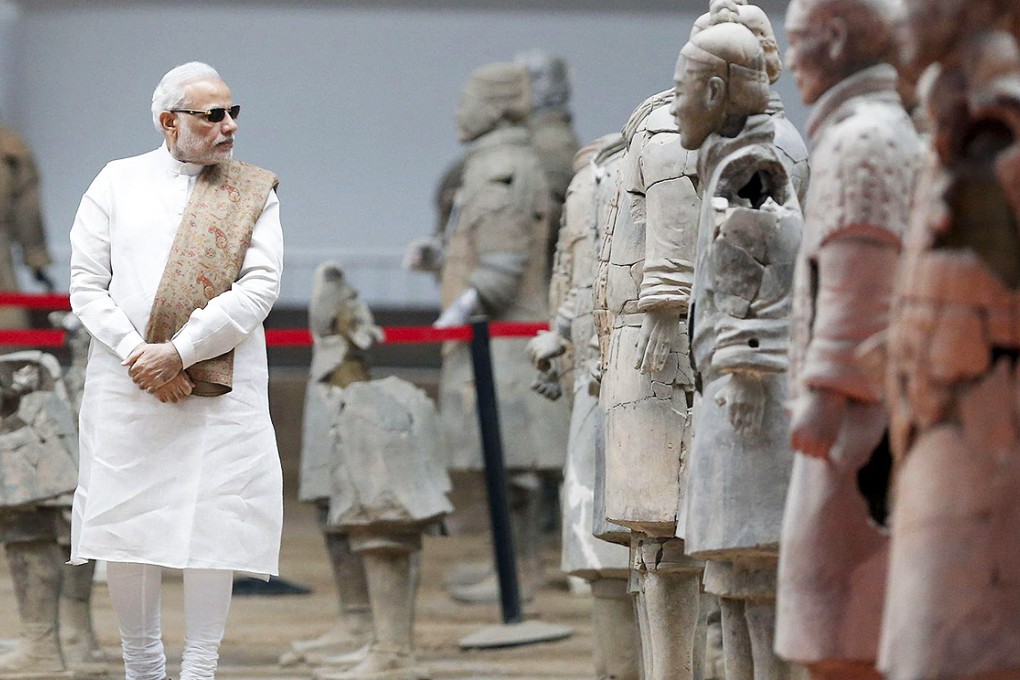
38,474
342,330
552,129
953,592
749,231
866,155
373,465
552,138
496,265
602,564
646,415
21,222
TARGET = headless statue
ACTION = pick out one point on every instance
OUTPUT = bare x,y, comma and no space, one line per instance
38,474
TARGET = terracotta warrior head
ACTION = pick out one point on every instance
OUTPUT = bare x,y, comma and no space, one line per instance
550,79
495,96
831,40
720,79
933,29
757,21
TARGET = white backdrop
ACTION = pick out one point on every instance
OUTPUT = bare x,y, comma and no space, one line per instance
350,102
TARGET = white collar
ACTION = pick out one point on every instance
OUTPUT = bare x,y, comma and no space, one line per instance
176,167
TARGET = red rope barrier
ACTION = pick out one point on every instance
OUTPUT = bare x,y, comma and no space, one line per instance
275,337
35,300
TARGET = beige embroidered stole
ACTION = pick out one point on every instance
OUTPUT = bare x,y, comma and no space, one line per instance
206,258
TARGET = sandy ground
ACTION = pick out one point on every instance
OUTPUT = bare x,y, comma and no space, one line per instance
261,628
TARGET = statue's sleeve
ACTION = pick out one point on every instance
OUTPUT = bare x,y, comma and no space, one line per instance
26,212
854,289
92,271
671,226
232,316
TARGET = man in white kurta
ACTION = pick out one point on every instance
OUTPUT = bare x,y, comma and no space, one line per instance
167,478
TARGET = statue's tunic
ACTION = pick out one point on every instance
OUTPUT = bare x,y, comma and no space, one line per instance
498,247
196,484
953,603
832,565
583,554
739,323
21,221
646,414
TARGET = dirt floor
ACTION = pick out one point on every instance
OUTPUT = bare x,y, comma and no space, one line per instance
260,629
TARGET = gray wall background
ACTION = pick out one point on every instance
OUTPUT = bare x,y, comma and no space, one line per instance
350,101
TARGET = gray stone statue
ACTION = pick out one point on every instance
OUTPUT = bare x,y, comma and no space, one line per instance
834,554
646,414
38,473
749,232
342,329
603,565
371,462
552,129
496,264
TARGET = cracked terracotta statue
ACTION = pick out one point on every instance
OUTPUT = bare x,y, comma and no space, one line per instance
496,265
342,329
372,462
748,234
603,565
38,474
953,592
866,155
646,415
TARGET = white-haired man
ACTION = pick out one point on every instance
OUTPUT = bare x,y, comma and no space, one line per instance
176,260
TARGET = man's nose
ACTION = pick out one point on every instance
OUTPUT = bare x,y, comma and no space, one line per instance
229,124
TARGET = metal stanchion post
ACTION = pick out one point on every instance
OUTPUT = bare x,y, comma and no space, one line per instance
515,630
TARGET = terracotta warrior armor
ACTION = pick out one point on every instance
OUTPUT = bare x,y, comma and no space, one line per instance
749,231
497,248
953,602
866,155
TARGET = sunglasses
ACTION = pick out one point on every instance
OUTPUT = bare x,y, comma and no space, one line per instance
213,115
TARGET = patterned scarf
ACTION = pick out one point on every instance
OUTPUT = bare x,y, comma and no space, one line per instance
206,258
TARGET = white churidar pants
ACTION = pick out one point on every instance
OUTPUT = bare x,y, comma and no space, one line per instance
135,590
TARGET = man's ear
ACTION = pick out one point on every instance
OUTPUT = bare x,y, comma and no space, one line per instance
837,35
168,121
715,92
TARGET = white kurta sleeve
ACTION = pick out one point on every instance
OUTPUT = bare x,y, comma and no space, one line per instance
232,315
91,272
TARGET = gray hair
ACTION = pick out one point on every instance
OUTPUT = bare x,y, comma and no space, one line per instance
169,94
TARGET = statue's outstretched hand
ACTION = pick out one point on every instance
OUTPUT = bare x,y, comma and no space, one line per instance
545,346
